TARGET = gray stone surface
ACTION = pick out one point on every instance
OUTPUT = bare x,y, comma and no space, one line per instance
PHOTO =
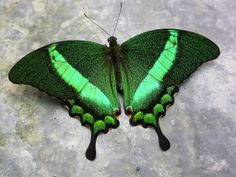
37,137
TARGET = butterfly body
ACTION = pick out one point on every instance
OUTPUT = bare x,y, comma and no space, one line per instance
115,54
147,69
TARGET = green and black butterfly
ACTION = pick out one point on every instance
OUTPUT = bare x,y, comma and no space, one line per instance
87,76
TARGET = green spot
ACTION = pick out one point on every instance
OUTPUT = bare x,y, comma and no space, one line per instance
138,116
150,119
77,110
166,99
71,101
109,120
158,108
98,126
170,89
88,118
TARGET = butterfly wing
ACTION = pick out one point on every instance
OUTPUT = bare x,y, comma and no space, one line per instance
78,73
153,64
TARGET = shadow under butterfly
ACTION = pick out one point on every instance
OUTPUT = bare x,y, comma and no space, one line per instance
147,69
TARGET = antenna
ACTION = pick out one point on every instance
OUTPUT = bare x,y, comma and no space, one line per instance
96,24
117,19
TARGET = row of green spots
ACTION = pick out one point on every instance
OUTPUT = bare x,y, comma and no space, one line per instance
101,125
147,118
88,119
158,109
78,110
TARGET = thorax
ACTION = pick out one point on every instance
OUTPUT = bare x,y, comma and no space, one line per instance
114,49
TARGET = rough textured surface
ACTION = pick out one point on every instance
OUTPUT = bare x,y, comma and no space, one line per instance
38,139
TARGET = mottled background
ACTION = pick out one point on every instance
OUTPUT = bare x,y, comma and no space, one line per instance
37,137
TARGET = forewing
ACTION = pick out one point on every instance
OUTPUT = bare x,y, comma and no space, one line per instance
154,63
78,73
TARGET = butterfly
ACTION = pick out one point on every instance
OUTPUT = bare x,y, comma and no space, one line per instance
87,76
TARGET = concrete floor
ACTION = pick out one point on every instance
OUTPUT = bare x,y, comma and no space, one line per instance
37,137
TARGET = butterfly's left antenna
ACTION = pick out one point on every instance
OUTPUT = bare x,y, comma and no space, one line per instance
117,19
96,24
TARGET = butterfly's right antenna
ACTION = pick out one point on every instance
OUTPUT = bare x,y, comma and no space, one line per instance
96,24
117,19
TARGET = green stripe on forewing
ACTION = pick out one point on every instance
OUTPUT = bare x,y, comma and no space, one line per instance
69,74
151,84
89,94
167,57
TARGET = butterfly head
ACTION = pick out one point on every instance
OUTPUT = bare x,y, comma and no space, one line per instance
112,41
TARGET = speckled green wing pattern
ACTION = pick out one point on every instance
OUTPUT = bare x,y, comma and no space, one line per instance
85,75
78,73
154,64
